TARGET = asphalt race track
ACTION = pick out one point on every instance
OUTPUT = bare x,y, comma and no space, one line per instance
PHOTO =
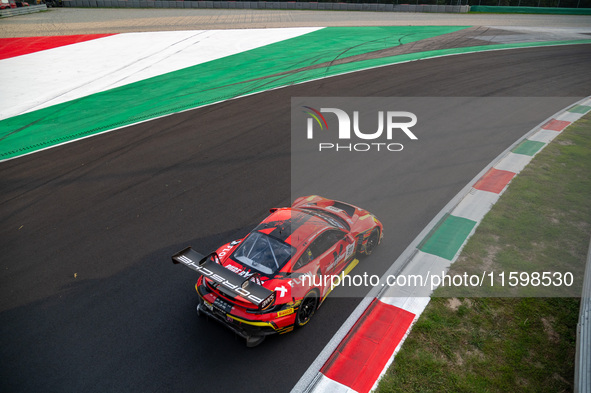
90,300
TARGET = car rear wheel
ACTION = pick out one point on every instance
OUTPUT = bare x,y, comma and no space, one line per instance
307,309
372,241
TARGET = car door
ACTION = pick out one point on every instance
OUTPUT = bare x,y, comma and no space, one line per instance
330,249
334,252
324,258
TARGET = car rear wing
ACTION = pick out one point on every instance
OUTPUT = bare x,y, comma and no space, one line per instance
236,284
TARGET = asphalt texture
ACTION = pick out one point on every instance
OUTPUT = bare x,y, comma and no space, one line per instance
90,300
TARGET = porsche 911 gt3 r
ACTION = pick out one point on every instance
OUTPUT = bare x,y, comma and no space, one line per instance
272,280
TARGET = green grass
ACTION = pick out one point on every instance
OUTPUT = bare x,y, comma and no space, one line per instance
488,345
511,343
541,223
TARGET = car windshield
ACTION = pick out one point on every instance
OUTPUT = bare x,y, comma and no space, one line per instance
263,253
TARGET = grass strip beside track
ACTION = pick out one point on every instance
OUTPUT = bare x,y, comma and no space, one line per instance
510,344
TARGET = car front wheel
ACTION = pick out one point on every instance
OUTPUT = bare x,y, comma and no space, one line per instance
372,241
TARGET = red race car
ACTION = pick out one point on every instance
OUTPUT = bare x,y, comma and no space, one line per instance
276,277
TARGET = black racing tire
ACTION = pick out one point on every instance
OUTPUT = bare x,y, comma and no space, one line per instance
307,309
372,241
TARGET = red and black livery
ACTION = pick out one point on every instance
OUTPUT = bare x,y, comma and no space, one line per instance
272,280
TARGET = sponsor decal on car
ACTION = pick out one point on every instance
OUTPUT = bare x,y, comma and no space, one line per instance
282,290
241,272
264,303
334,209
283,313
